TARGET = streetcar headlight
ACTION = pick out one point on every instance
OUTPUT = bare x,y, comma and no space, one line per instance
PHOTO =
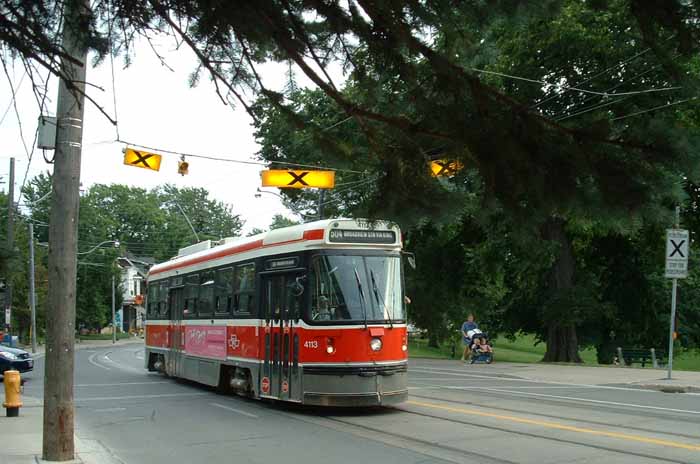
330,346
375,344
404,348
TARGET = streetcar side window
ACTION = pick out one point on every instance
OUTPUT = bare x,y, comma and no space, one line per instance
223,292
163,310
244,296
191,295
205,304
152,304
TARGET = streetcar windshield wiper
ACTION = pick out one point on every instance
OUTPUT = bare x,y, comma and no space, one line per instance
362,295
379,298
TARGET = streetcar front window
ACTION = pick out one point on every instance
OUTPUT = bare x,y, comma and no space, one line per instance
356,288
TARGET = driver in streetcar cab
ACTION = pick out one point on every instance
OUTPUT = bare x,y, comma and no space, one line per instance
324,313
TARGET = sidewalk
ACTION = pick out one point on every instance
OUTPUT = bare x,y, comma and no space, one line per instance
22,436
655,379
22,439
596,375
87,344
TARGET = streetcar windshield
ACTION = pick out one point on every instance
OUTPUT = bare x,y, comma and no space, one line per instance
356,288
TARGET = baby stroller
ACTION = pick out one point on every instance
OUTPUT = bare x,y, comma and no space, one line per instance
481,352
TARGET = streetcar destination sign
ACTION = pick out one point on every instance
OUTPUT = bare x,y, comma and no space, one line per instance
677,253
361,236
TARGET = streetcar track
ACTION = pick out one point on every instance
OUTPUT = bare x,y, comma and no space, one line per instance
433,444
544,437
613,409
550,416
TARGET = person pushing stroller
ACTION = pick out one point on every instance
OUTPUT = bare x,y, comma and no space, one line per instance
468,326
477,347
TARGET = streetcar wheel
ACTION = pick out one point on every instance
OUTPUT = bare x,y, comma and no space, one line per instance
224,386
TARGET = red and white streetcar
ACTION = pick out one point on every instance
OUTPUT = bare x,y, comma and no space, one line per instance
312,314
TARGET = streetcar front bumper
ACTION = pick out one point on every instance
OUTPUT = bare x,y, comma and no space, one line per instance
356,386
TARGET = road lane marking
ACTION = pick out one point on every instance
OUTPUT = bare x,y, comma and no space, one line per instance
139,397
110,410
423,380
558,426
238,411
511,379
92,361
119,384
573,398
121,366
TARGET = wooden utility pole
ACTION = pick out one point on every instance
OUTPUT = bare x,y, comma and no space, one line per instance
10,240
58,442
32,293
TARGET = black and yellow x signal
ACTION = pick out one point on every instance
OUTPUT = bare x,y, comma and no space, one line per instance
283,178
445,168
142,159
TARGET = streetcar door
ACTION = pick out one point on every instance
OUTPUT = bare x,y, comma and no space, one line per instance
177,339
281,306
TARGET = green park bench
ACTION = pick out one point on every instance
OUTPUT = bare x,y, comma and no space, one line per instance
629,356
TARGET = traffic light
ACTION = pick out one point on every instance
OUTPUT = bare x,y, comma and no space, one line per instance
183,167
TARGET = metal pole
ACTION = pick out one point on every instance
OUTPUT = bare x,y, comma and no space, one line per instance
672,329
114,315
32,295
10,240
59,407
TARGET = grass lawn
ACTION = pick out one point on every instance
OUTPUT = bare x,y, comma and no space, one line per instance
687,361
524,350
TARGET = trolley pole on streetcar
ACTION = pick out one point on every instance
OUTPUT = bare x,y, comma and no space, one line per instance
59,409
321,200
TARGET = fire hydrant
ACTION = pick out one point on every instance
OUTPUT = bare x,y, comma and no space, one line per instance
13,398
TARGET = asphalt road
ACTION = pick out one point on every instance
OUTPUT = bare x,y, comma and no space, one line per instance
456,413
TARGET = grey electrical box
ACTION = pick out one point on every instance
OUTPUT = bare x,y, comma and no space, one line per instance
47,133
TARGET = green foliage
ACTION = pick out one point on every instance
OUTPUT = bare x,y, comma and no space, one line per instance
279,221
147,223
485,83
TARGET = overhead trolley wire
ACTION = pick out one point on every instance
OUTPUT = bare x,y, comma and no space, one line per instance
570,87
229,160
655,108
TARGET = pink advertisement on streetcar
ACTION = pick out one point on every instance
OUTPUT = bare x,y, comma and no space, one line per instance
205,340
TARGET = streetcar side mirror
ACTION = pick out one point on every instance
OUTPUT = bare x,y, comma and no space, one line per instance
297,287
411,259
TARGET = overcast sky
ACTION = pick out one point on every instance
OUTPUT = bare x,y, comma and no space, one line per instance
155,107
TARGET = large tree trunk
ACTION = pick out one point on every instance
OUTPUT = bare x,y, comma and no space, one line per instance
562,343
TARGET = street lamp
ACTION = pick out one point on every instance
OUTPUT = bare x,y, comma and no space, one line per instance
99,245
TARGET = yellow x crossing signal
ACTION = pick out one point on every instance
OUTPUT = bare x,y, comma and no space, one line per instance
445,168
142,159
283,178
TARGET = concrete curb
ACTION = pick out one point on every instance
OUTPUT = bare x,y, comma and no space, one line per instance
667,388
